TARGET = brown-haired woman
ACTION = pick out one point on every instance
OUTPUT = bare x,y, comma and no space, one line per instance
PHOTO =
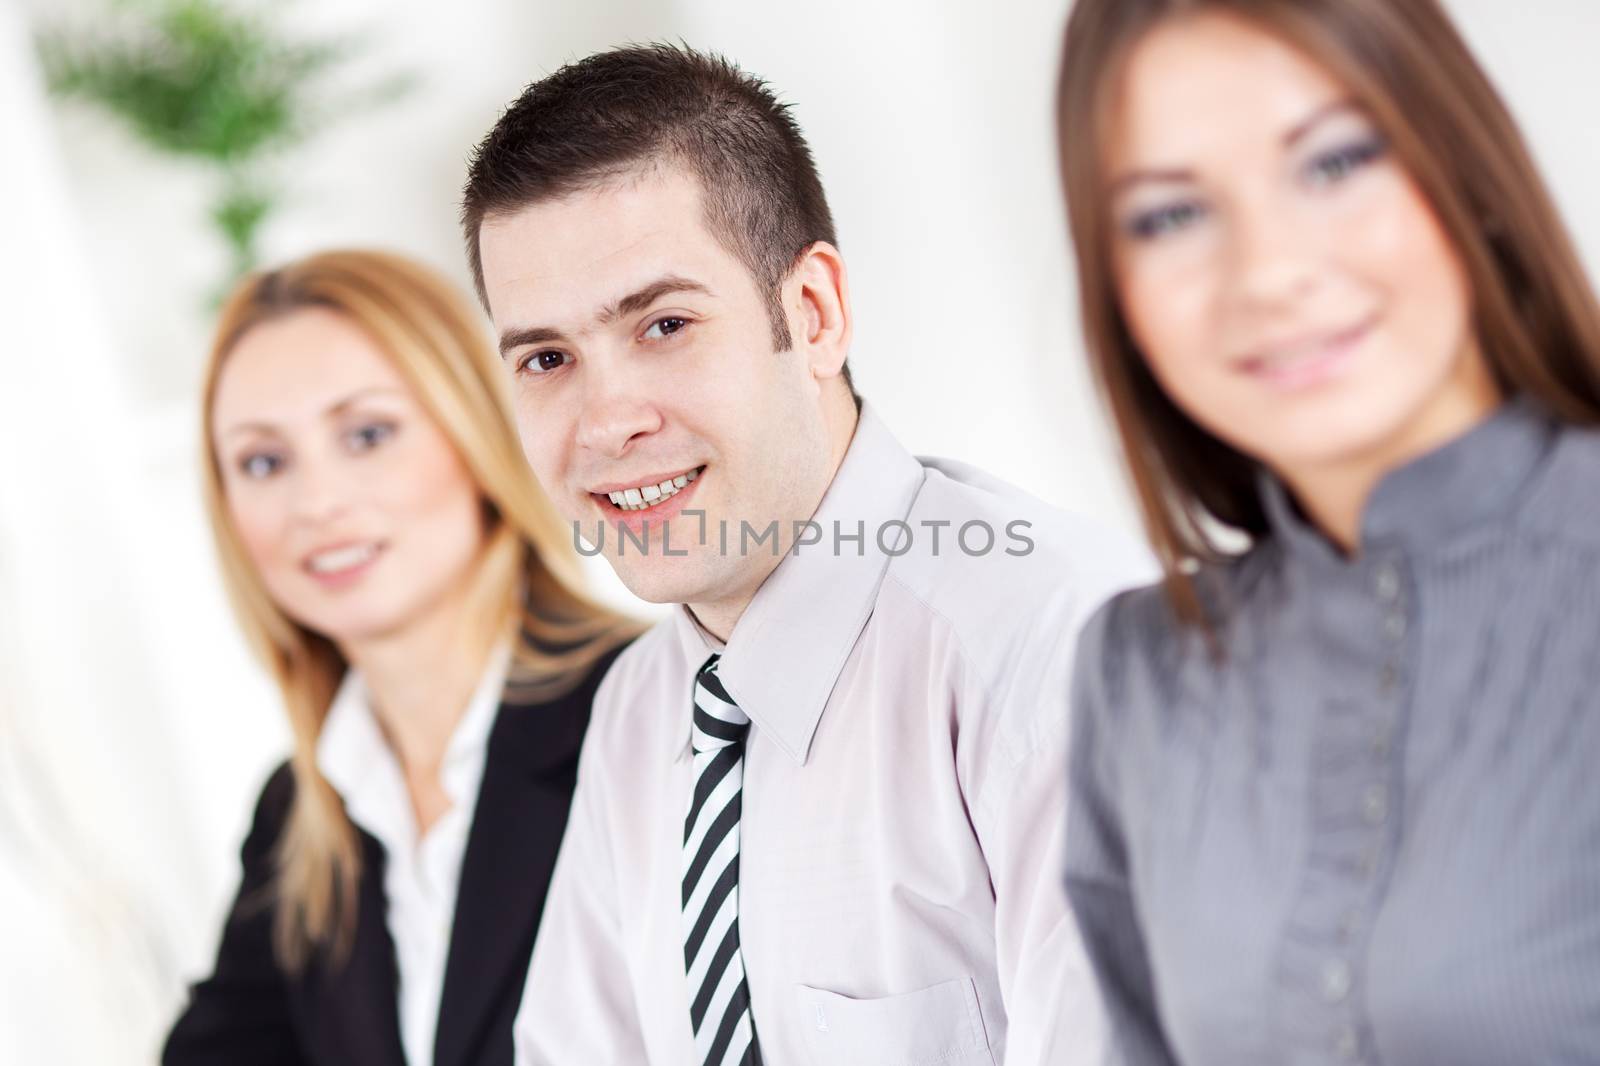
1333,786
417,601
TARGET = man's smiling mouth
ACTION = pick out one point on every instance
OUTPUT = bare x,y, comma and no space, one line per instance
649,494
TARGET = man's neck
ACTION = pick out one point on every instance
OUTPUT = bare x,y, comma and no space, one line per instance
719,617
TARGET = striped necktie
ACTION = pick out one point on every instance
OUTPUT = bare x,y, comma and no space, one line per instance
719,1010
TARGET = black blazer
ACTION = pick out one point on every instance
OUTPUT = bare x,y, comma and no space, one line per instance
250,1013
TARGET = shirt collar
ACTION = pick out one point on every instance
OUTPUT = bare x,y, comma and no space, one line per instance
356,759
470,741
1429,500
789,646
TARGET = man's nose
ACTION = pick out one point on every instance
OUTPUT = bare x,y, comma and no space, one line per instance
614,413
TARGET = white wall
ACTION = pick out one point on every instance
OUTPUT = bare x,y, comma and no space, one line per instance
134,731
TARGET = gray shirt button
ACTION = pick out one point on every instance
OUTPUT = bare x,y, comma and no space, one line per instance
1375,804
1349,925
1388,678
1335,980
1345,1043
1380,741
1388,582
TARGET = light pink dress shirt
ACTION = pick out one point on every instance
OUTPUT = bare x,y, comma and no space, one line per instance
900,874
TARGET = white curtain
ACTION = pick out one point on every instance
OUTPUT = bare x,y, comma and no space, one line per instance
99,855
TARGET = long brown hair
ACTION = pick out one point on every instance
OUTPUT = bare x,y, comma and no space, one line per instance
432,334
1534,311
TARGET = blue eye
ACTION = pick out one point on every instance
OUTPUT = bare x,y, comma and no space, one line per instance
365,438
1149,225
1332,167
543,362
258,465
662,328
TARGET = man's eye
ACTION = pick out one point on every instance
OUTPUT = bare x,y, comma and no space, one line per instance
258,465
665,327
544,362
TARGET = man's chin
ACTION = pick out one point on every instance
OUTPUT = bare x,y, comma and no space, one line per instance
666,579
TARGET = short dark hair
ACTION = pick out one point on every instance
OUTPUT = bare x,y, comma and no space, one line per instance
620,110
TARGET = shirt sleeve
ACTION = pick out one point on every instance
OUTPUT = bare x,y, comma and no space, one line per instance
239,1016
1052,1015
1097,876
577,1005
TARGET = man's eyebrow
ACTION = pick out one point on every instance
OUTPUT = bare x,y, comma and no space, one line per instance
639,299
516,338
632,303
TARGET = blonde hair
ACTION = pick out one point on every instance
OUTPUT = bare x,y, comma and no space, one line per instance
433,336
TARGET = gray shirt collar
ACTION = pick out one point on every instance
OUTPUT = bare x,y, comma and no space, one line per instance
1429,501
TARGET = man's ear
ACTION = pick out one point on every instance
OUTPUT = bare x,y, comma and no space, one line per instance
817,302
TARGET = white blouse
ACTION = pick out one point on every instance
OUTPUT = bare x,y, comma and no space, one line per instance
421,876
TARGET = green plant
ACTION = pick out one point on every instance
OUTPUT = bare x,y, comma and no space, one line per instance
215,82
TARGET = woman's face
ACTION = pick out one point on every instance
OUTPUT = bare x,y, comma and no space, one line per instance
1286,281
351,503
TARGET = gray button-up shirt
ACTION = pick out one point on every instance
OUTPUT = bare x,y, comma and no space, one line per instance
1370,832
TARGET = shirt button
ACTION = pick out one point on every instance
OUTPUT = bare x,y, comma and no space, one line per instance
1375,804
1349,925
1368,863
1388,678
1335,980
1395,625
1345,1045
1380,742
1388,583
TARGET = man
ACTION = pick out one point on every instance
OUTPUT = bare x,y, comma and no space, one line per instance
820,807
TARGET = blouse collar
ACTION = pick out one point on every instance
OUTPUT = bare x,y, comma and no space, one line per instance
355,757
1472,479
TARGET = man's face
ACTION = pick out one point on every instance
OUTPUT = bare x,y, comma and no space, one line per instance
643,366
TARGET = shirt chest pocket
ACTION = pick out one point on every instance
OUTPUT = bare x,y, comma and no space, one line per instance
935,1026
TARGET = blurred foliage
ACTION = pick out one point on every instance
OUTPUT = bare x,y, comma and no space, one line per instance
218,83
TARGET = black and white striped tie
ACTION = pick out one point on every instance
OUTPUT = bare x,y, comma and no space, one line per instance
719,1003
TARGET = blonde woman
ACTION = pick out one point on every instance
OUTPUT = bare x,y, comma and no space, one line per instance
416,599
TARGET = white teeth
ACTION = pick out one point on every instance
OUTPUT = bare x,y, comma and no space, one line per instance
341,559
1293,355
649,495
